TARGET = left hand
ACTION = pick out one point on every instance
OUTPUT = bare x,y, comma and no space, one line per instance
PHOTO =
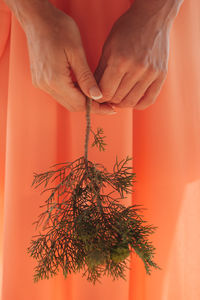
134,60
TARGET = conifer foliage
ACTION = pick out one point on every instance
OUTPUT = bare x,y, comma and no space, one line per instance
84,228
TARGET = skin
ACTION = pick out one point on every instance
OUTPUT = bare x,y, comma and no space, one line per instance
133,64
55,50
134,60
132,67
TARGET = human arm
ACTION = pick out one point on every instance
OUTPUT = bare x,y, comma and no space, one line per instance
55,48
134,60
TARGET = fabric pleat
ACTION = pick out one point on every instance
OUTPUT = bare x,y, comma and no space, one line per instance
37,132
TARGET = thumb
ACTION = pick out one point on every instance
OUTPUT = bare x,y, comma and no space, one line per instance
83,74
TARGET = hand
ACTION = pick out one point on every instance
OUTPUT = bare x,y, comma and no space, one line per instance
133,64
55,51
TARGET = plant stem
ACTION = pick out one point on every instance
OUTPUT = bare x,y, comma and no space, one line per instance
88,104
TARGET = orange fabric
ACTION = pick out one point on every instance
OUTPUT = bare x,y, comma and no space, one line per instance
36,132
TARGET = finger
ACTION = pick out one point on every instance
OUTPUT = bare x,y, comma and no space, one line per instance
110,82
127,83
138,90
71,99
59,84
83,74
151,94
75,101
101,108
100,68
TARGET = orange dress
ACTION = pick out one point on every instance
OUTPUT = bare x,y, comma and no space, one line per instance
164,139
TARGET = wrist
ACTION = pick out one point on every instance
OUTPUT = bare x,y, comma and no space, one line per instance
28,12
162,12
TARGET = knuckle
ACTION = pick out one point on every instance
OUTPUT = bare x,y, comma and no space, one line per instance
84,76
79,107
72,108
156,72
50,78
107,95
34,82
141,64
39,81
116,99
163,73
51,81
127,103
120,60
144,102
149,101
132,102
73,52
152,70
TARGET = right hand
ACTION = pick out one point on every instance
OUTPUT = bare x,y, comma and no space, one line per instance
55,47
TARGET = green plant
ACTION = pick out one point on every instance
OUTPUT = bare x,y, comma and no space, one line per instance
84,227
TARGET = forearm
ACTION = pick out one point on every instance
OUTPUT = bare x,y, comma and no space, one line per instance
164,10
27,10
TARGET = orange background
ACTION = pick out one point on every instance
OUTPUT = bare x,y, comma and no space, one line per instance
164,140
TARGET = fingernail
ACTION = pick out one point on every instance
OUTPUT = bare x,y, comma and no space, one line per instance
95,93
